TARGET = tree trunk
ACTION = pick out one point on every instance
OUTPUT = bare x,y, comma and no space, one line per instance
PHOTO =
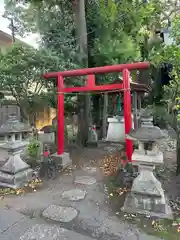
80,19
23,114
178,154
175,126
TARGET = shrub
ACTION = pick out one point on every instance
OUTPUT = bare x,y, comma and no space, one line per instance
160,114
34,149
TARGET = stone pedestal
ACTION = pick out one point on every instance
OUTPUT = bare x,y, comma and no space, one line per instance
147,195
115,132
62,161
15,173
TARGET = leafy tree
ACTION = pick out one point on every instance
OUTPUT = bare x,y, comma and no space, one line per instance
53,21
21,67
171,54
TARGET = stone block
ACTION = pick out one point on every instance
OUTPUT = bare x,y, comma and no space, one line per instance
147,195
15,173
154,159
148,205
17,180
62,161
47,137
146,183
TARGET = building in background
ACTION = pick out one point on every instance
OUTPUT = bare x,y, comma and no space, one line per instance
5,40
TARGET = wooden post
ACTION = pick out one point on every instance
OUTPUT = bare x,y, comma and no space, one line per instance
139,102
135,109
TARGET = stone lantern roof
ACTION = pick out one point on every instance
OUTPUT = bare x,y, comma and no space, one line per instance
147,132
14,126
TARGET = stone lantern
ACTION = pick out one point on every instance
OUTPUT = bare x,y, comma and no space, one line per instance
14,172
14,130
147,195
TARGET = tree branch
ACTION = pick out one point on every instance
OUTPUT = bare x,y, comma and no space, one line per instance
167,16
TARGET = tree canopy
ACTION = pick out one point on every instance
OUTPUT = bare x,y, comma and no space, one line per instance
117,32
21,67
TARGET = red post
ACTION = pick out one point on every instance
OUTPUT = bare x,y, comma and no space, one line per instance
127,111
91,81
60,119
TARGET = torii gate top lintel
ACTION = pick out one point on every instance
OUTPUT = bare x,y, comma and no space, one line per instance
98,70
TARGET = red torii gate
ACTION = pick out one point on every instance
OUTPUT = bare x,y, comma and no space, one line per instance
91,86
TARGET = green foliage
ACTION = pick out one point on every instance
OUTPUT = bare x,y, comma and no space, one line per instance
33,149
161,117
54,22
171,54
114,44
119,32
122,31
21,67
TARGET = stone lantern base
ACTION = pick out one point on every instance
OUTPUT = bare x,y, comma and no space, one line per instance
147,205
147,196
17,180
15,173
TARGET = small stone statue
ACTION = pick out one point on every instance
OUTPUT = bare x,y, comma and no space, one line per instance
48,166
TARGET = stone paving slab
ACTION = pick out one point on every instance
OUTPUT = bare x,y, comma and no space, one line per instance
74,194
17,230
60,214
85,180
29,229
90,170
8,219
47,232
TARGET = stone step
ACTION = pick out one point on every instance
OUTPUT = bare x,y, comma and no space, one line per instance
99,225
15,226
